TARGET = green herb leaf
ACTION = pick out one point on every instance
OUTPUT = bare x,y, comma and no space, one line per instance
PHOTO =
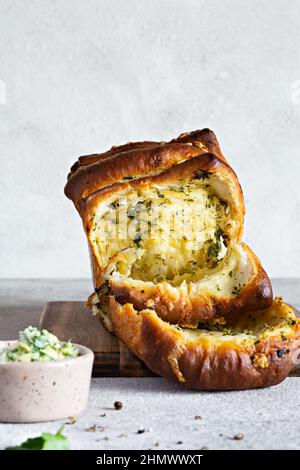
237,289
137,240
202,175
46,441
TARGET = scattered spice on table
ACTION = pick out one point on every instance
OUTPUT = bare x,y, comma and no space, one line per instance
238,437
95,428
118,405
92,428
72,420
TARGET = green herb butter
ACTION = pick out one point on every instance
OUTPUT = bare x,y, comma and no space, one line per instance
36,345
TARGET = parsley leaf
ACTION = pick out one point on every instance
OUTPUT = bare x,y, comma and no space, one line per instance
46,441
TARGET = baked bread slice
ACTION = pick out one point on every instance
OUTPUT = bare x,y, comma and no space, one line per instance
164,223
258,349
219,293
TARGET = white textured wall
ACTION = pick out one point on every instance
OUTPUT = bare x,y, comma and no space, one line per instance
78,76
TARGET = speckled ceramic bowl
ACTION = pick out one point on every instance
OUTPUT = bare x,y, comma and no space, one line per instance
44,391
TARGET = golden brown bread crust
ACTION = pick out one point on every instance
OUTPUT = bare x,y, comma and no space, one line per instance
179,307
85,160
97,274
204,138
229,364
93,172
135,163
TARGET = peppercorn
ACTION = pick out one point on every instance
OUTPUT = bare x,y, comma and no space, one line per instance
118,405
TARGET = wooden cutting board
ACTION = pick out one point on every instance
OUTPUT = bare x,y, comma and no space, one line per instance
72,320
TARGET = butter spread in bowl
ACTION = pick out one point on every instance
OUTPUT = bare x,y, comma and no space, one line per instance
42,378
36,345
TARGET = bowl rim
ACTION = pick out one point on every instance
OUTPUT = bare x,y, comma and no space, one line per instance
84,354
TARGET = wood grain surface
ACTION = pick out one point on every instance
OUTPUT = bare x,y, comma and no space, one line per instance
72,320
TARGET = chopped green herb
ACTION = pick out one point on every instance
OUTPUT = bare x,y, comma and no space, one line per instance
223,203
213,251
137,240
216,327
159,194
237,289
202,175
210,199
219,233
114,205
180,189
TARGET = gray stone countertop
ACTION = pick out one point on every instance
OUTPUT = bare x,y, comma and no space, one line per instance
267,418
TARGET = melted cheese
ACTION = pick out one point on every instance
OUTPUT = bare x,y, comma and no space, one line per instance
174,232
276,321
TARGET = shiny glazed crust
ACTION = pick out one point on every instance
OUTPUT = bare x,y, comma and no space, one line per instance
93,172
219,362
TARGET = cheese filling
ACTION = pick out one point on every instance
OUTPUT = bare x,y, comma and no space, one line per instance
277,321
173,233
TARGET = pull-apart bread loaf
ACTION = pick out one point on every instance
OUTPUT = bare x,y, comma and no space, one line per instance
164,223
